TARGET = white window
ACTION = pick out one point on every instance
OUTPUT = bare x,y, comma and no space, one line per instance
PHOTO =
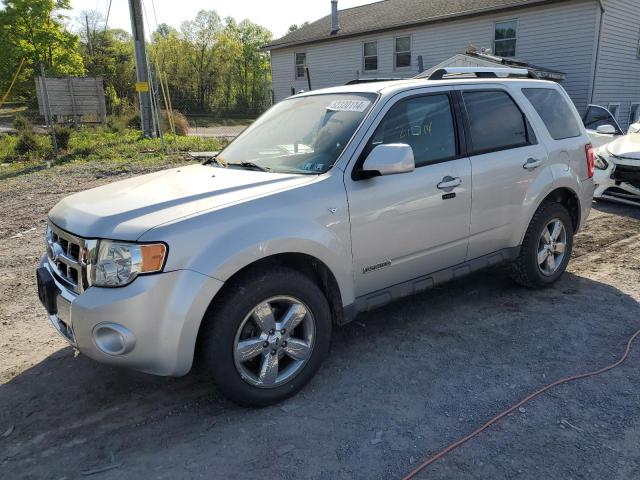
614,108
504,38
634,113
370,56
402,52
301,65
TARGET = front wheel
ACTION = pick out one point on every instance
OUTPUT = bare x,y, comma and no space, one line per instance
267,336
546,249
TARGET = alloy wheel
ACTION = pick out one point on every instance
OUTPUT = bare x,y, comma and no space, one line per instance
552,247
274,341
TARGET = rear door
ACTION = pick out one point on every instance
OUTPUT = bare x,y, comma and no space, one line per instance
506,160
412,224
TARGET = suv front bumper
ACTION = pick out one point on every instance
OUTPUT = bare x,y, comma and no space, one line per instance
158,317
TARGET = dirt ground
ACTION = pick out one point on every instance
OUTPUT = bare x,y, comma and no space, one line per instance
400,383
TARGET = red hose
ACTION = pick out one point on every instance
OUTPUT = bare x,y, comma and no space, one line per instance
456,444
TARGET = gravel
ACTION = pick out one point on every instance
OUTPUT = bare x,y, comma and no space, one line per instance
401,382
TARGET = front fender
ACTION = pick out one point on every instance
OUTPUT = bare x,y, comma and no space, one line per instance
312,220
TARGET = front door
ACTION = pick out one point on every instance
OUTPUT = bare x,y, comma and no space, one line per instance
412,224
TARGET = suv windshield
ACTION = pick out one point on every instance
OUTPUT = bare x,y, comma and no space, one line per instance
300,135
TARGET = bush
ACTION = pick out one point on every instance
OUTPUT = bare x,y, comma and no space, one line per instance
26,143
134,121
179,120
62,137
22,123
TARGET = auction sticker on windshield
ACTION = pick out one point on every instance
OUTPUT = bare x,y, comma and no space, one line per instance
349,105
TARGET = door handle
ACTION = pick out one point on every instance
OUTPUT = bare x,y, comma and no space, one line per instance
531,164
449,183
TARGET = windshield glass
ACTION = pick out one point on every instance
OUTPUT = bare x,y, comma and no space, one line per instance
300,135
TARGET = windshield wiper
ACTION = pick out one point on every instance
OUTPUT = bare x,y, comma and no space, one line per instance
250,166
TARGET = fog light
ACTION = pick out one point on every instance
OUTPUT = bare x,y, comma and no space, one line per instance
113,339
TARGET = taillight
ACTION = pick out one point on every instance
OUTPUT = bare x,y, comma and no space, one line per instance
591,159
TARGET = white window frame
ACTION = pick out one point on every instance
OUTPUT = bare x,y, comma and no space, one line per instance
637,119
395,53
295,66
617,110
493,35
364,57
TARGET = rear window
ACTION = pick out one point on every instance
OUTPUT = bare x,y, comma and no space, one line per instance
495,121
554,111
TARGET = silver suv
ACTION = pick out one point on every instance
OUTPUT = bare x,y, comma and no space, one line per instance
334,202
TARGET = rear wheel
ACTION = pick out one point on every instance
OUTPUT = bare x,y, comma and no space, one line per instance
546,249
267,336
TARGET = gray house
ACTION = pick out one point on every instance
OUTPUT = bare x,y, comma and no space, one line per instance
595,43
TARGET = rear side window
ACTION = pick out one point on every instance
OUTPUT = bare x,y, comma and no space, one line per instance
424,123
495,121
554,111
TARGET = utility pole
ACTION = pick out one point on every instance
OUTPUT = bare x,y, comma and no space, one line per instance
89,45
142,72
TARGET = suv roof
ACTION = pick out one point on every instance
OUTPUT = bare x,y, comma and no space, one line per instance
396,86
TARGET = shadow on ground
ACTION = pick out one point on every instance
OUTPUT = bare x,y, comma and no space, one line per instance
400,382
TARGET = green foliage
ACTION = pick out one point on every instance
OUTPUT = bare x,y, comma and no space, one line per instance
113,150
214,65
109,54
34,30
26,143
63,134
22,123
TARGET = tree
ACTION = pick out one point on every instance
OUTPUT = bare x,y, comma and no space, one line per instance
295,27
202,33
34,30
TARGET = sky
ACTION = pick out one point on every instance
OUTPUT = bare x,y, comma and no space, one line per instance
276,15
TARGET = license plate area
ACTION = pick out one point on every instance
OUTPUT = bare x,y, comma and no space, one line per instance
47,290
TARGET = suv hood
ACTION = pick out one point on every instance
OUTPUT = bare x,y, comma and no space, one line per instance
627,147
125,210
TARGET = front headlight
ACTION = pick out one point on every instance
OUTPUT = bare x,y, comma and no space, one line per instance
118,263
600,162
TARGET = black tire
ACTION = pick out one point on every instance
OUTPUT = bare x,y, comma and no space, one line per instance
226,315
525,270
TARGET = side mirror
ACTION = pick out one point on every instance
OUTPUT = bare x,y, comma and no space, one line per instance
389,159
606,129
634,128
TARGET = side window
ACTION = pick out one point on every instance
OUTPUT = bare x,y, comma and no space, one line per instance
370,56
301,63
614,108
504,38
596,116
554,111
403,52
495,121
424,123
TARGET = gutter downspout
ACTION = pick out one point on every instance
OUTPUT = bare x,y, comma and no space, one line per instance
597,53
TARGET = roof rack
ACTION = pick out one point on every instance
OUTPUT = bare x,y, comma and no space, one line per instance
481,72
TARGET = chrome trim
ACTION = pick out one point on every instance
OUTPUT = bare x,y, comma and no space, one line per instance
68,253
61,321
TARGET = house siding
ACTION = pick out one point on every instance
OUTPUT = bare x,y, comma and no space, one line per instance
556,36
618,67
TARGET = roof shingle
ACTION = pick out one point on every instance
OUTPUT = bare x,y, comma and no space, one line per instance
390,14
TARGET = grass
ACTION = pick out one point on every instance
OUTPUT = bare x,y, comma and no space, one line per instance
9,111
114,150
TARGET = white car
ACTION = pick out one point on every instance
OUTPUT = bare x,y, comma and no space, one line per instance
601,125
617,173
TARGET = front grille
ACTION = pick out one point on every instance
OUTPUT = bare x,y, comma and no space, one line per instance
627,174
67,258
